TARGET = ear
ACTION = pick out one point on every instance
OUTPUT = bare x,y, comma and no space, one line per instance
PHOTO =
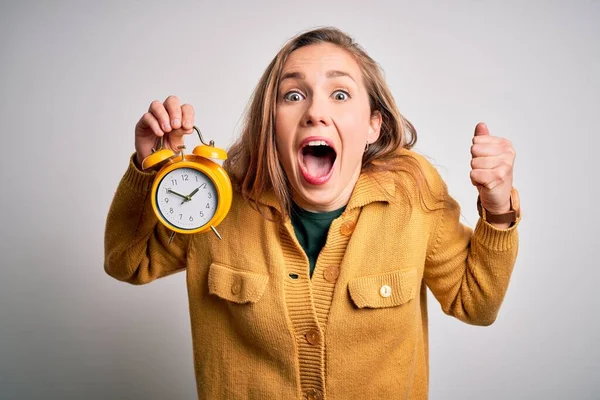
374,127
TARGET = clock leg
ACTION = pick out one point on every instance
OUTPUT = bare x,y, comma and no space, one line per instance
216,233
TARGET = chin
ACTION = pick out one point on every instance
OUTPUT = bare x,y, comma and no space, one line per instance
320,198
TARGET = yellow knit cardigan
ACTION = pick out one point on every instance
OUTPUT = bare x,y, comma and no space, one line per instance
262,329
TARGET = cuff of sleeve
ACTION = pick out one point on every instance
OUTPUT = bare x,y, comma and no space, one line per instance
136,179
494,238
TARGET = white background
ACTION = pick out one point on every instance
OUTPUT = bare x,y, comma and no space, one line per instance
76,76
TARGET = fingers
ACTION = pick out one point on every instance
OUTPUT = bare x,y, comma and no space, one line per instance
486,150
148,120
489,162
188,117
492,161
490,139
487,146
162,116
170,116
490,178
173,108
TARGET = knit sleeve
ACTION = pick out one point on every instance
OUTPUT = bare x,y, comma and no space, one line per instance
468,271
136,248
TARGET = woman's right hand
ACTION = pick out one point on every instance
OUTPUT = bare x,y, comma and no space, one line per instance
169,117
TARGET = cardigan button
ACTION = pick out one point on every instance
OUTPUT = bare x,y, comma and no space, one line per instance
385,291
331,274
347,228
236,287
314,394
313,337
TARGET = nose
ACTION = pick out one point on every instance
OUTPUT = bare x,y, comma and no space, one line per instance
317,113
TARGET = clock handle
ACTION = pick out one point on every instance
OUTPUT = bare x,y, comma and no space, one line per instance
211,143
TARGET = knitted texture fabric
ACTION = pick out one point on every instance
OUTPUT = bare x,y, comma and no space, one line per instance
262,329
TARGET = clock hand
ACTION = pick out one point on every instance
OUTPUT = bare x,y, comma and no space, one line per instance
194,192
189,196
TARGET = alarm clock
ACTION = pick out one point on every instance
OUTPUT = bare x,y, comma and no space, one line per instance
191,193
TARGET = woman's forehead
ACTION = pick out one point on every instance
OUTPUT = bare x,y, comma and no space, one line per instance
325,59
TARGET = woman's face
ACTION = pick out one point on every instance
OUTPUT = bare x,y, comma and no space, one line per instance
322,124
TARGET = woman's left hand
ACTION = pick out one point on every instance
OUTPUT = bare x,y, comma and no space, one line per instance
492,169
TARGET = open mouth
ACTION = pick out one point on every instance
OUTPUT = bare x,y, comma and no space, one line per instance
317,157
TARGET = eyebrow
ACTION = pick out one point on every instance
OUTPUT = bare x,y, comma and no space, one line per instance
299,75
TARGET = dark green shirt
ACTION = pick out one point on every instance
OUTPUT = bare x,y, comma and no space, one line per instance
311,230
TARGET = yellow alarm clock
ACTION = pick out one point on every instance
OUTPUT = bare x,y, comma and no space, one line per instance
191,193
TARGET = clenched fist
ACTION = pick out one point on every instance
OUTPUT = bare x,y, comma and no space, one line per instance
168,117
492,169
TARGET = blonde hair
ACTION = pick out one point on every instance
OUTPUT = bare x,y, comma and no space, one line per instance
254,164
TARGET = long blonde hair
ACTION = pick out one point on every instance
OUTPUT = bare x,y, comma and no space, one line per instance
254,164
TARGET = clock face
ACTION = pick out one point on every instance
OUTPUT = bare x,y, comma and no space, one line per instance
186,198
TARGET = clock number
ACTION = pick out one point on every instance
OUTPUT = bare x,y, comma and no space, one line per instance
203,186
170,210
209,195
207,205
166,199
180,216
191,218
201,214
184,177
174,182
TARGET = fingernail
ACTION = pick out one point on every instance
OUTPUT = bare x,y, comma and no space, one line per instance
166,126
187,124
175,122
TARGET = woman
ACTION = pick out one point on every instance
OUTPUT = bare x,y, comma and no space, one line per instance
318,288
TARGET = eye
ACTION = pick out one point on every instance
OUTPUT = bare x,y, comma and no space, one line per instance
293,96
341,95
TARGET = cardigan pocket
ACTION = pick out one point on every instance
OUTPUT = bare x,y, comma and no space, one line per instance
384,290
235,285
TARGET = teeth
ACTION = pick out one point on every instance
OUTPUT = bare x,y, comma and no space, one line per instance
317,143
